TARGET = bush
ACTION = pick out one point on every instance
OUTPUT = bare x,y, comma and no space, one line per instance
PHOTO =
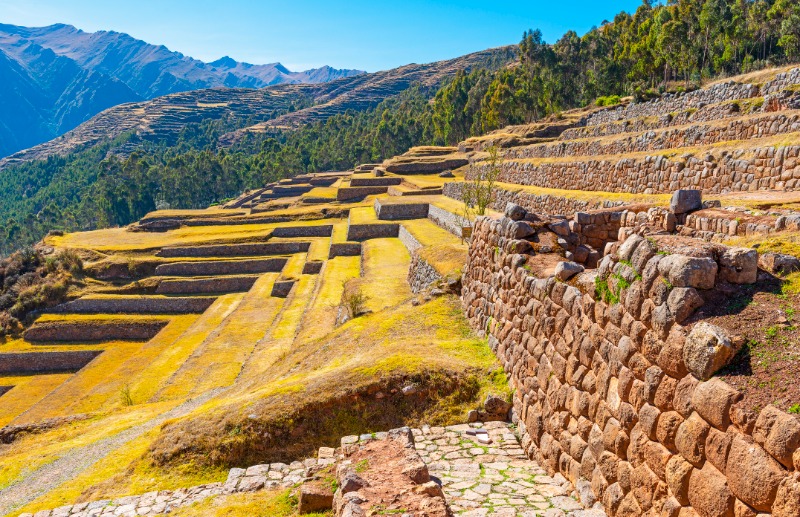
609,100
354,301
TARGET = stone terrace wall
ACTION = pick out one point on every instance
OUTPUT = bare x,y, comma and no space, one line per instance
38,362
222,267
618,397
773,168
673,102
538,203
137,305
782,81
739,129
249,249
83,331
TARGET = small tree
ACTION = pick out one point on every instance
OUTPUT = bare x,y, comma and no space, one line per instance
478,190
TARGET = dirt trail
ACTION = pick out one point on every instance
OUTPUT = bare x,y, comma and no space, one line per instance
71,464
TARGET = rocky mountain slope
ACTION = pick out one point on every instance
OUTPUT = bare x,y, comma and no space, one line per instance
162,118
56,77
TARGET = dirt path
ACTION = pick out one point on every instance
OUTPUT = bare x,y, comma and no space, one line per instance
71,464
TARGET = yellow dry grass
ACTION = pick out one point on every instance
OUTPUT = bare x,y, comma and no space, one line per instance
219,359
429,234
322,192
321,314
27,391
363,215
386,264
260,504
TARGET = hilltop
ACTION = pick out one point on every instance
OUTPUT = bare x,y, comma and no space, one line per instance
57,77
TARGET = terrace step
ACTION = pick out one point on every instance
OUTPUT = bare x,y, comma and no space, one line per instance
222,267
242,250
42,362
231,284
136,305
107,330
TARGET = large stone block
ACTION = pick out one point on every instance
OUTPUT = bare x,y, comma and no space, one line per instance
779,433
684,271
739,265
754,476
709,493
707,349
685,201
690,440
787,500
713,400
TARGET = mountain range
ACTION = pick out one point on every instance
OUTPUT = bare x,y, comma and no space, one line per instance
54,78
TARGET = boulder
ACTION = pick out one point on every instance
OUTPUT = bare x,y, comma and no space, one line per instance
566,270
787,500
685,201
521,230
778,263
515,212
779,433
446,174
739,265
707,349
496,406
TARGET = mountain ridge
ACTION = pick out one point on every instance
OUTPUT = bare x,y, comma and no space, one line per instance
60,76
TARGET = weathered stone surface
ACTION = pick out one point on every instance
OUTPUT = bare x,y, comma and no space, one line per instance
678,472
778,263
315,497
787,500
515,212
566,270
709,493
685,271
778,433
753,475
713,400
685,201
739,265
690,440
707,349
683,301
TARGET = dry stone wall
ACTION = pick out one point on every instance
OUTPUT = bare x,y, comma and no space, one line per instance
618,395
222,267
538,203
718,171
137,305
250,249
672,102
650,140
83,331
39,362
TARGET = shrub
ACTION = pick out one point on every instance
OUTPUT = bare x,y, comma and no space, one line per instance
354,301
609,100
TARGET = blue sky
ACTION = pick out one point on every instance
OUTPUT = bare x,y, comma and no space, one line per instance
304,34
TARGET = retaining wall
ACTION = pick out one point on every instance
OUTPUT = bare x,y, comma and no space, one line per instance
399,211
222,267
362,232
282,288
672,102
537,203
345,249
5,389
773,168
345,193
242,250
324,230
207,285
39,362
312,267
375,182
449,221
696,135
74,331
619,397
137,305
421,274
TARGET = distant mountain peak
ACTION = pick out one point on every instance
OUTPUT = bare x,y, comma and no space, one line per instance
279,67
224,62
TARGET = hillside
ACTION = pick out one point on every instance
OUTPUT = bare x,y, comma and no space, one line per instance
227,357
162,119
62,76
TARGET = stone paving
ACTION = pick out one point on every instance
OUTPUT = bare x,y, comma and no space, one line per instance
494,479
479,480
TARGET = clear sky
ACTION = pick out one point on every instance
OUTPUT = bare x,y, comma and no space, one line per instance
304,34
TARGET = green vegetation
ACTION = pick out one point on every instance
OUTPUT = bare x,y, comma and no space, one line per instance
30,281
478,192
640,54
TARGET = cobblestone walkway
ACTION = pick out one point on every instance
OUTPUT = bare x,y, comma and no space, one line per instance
494,479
